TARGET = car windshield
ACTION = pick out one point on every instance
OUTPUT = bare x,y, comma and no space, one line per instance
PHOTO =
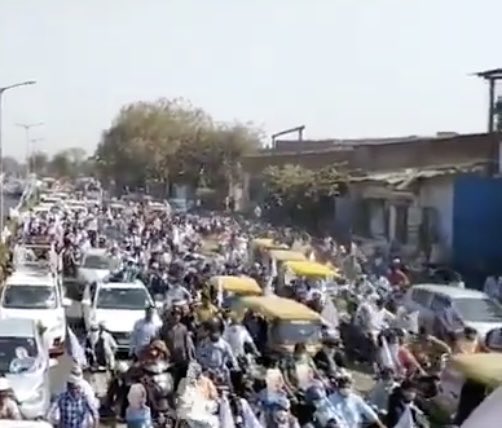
479,310
30,297
96,262
122,298
17,354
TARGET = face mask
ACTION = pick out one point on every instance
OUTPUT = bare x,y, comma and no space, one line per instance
344,392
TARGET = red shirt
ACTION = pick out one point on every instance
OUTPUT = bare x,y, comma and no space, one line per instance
397,277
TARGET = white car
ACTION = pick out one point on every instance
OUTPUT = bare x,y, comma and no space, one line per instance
36,295
474,308
95,266
25,363
118,305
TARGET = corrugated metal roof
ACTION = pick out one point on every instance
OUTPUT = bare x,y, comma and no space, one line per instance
401,179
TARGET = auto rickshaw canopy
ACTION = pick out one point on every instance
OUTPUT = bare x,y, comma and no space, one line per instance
485,368
240,285
287,255
273,307
267,244
310,269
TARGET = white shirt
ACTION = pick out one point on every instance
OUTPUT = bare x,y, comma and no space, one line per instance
236,336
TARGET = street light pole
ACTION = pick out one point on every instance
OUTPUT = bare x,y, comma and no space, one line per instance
2,91
27,127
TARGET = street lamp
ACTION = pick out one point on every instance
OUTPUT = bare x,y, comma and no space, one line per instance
2,91
27,127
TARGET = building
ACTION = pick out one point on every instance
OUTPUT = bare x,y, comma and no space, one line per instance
410,192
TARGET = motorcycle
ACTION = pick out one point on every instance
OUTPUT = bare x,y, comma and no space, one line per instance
159,385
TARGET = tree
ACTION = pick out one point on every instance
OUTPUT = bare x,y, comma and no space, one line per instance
171,141
301,194
61,166
38,162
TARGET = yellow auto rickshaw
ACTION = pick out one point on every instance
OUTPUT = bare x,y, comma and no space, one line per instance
261,246
314,272
465,382
287,321
229,287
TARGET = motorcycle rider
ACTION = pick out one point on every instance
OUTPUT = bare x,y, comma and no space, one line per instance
329,359
401,408
238,337
350,407
215,353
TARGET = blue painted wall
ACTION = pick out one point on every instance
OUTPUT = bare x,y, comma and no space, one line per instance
477,226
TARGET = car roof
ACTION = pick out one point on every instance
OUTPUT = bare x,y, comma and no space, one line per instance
132,285
30,277
17,327
451,291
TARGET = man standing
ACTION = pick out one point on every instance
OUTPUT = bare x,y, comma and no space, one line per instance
144,331
178,340
74,407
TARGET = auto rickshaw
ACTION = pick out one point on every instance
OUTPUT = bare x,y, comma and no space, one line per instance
466,381
312,271
261,246
229,287
287,322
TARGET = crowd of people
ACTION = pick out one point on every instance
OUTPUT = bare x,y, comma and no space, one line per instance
206,365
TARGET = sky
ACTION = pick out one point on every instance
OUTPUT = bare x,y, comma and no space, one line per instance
342,68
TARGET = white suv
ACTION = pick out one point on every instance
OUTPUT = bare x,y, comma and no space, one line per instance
36,295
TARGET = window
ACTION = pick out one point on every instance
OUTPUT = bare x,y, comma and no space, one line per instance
421,297
439,303
96,262
30,297
122,298
479,310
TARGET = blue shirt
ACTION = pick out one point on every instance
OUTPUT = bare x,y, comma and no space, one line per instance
351,411
139,418
142,335
73,410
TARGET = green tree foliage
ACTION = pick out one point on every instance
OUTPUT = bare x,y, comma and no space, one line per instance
171,141
70,163
301,194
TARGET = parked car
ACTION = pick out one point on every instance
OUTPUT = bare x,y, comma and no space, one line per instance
36,295
25,363
118,305
95,266
474,308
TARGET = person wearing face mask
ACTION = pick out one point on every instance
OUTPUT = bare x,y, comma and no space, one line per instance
402,413
281,416
216,354
100,347
350,408
290,366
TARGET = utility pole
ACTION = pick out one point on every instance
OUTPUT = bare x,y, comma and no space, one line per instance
2,91
27,127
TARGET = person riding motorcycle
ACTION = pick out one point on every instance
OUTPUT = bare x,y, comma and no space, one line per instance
329,359
468,342
157,379
428,350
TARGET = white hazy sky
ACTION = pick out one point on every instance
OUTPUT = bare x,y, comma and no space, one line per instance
344,68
